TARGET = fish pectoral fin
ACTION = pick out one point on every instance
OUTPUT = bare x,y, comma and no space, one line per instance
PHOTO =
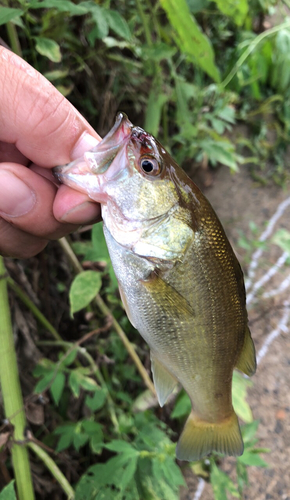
164,382
247,360
199,438
169,299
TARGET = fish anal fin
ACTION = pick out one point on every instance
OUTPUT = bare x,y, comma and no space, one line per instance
199,438
163,380
169,299
247,360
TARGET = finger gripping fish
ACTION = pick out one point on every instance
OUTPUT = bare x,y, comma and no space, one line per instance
179,279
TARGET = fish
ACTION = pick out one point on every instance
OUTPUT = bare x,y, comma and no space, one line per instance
180,282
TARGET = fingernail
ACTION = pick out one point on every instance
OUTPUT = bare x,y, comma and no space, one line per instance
16,198
85,143
85,213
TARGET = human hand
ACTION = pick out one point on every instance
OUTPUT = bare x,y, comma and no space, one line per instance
39,129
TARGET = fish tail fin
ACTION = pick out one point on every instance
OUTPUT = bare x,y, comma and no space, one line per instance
199,438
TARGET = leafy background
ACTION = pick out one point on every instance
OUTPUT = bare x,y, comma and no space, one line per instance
188,72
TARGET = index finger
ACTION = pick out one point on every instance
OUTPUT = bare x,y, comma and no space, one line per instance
35,117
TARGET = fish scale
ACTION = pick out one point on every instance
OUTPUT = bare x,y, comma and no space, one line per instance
179,279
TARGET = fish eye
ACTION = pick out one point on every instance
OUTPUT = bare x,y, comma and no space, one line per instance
150,166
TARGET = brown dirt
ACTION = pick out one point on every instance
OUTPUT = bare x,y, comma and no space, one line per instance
238,200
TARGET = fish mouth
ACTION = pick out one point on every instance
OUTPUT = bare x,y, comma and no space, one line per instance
89,172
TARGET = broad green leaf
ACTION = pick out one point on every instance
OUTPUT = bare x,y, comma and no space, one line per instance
57,387
99,16
158,51
121,447
99,243
155,105
239,394
282,239
56,74
249,431
190,39
62,6
128,472
236,9
182,406
48,48
74,383
80,439
251,458
67,358
84,288
118,24
66,433
8,14
8,493
96,401
45,382
221,483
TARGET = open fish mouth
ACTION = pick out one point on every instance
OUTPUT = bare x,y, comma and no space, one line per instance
89,172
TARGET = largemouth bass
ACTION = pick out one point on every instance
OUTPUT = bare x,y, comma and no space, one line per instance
180,281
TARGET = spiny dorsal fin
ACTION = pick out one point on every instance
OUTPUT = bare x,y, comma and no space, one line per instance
164,382
247,360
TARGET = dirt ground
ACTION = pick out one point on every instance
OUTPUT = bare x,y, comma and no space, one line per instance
238,200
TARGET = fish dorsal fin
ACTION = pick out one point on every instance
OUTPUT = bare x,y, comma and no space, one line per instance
247,360
169,299
164,382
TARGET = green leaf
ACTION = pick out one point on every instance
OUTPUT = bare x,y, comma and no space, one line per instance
101,29
282,239
62,6
239,394
66,437
249,431
155,105
97,401
57,387
236,9
249,457
128,473
190,39
45,382
221,483
84,288
8,14
121,447
99,243
74,383
118,24
48,48
182,406
8,493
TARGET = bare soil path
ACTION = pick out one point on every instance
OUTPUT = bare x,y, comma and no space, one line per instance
238,200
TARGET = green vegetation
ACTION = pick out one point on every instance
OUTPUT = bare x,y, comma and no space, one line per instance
188,75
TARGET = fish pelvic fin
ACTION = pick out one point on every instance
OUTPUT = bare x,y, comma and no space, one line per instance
199,438
247,360
164,382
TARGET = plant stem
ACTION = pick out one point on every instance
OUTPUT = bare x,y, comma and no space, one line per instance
106,311
53,468
33,308
250,49
13,38
12,397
